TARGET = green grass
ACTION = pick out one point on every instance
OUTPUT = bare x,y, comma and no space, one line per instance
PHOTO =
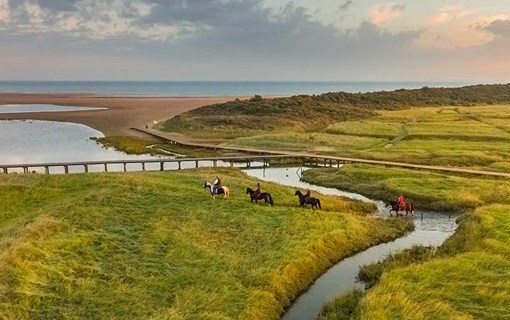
466,278
154,245
474,136
427,190
472,283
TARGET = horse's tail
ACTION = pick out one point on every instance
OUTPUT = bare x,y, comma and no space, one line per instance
319,204
270,199
412,209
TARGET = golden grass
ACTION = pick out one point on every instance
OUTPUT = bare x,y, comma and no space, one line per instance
154,245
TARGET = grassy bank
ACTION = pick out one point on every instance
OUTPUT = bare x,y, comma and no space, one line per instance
466,278
426,190
155,245
465,127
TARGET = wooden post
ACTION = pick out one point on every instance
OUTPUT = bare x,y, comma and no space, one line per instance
105,167
161,166
338,163
143,166
46,169
248,164
66,169
231,163
86,168
178,165
5,170
330,165
196,163
125,166
25,169
215,163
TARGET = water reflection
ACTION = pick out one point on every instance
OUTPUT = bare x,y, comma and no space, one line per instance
29,108
34,141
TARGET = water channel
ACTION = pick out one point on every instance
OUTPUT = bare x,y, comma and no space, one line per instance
431,229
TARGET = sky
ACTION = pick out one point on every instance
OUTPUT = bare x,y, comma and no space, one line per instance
312,40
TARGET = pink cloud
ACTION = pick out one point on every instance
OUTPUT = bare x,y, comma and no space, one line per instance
385,13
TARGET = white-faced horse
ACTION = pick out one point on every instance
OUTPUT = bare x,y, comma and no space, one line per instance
221,190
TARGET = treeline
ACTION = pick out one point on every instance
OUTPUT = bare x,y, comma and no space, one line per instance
318,110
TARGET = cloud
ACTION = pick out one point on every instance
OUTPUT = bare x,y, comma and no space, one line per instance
345,6
499,27
458,27
4,11
385,13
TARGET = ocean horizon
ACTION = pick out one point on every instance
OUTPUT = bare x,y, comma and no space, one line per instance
215,88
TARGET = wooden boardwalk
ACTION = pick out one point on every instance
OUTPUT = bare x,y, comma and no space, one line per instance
253,158
314,160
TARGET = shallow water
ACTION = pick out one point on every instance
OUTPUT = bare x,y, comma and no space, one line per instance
431,230
34,141
30,108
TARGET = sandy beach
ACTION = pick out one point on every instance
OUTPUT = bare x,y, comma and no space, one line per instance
122,113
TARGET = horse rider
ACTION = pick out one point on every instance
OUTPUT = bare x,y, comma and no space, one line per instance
257,191
308,193
401,202
216,184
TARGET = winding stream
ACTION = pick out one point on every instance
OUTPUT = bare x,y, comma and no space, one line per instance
431,230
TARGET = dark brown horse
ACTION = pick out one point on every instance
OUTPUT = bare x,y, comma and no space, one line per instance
408,207
266,196
316,203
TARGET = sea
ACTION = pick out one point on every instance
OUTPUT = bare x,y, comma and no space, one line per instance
214,88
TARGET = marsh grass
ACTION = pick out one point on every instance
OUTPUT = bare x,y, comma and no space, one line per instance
155,245
465,278
468,279
475,136
427,190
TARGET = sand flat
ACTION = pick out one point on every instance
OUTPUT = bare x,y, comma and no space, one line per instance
122,113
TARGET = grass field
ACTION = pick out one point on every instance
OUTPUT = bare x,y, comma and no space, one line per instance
154,245
474,136
462,136
466,278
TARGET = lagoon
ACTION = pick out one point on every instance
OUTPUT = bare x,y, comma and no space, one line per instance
34,141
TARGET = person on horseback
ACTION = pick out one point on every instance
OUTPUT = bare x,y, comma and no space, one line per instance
308,193
401,202
216,184
256,193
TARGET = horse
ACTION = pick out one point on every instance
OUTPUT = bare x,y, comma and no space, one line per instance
395,206
221,190
266,196
316,203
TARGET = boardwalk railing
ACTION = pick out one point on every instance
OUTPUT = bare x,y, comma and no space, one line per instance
248,161
150,164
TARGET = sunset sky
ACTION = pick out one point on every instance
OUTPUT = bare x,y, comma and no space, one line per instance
434,40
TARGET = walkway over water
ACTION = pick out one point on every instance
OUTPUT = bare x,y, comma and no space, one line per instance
253,158
316,160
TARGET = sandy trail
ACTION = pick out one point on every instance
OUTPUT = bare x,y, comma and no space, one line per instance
123,112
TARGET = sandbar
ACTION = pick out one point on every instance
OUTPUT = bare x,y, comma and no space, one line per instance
123,112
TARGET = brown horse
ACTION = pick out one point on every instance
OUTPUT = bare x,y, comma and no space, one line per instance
303,201
266,196
408,207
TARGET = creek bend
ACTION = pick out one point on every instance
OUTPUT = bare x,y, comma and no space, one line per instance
431,230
